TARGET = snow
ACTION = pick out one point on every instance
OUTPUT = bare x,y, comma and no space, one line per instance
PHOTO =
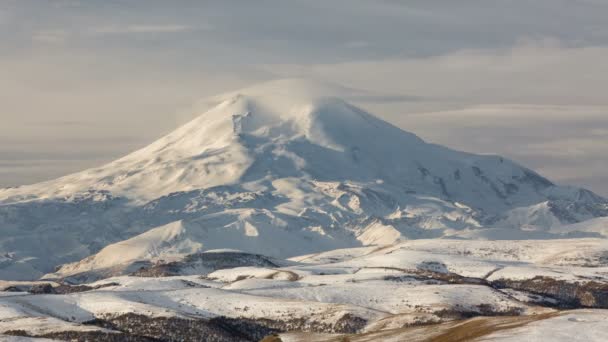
283,202
126,283
45,325
598,226
398,298
379,234
283,168
580,325
4,338
193,302
388,287
576,325
162,242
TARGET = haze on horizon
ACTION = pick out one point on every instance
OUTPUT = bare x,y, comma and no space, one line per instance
84,82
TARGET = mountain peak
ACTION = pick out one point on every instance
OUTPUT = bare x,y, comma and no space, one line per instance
252,126
286,167
299,129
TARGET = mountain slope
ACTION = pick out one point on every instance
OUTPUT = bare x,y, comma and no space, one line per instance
282,168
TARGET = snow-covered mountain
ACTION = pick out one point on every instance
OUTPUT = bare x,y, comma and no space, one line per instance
282,169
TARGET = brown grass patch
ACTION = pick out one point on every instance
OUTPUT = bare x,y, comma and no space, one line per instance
478,327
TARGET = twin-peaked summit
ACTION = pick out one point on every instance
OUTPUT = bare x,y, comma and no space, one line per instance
289,159
296,128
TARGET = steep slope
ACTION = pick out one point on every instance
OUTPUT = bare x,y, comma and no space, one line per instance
282,168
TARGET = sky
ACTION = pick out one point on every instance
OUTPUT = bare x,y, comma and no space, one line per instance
84,82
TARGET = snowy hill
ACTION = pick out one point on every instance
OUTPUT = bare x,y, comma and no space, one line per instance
283,168
413,290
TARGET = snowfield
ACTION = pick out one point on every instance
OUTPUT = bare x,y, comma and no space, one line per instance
285,212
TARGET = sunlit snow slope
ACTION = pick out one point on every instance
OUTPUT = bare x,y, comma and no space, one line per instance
282,168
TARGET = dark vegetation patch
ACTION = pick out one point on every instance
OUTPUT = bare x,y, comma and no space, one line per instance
139,328
174,329
84,336
563,294
429,275
454,331
568,295
46,288
211,261
486,310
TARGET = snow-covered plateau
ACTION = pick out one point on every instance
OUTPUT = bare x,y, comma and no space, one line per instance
284,212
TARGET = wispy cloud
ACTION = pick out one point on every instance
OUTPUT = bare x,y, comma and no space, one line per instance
61,36
60,123
535,72
51,36
357,44
66,3
134,29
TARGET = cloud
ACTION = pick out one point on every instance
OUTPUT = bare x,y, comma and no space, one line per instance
60,123
532,73
14,173
61,36
142,29
357,44
51,36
